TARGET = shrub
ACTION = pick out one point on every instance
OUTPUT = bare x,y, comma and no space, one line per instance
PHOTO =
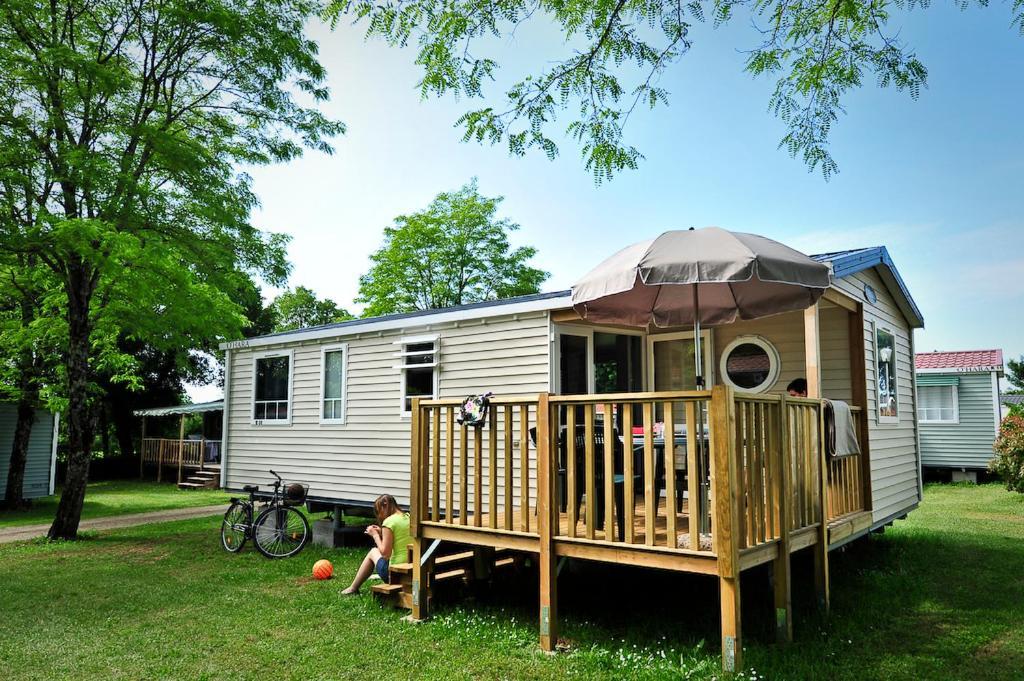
1009,449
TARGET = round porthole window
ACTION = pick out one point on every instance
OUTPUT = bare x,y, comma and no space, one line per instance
750,363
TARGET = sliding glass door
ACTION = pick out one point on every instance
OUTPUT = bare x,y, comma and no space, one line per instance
672,364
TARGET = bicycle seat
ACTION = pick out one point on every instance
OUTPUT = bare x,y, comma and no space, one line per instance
251,488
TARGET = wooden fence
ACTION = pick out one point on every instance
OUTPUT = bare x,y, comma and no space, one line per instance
183,454
632,469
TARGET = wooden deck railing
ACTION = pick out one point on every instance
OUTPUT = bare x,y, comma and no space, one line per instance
614,448
180,453
846,488
477,477
631,469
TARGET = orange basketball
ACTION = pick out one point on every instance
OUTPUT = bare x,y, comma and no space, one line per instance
322,569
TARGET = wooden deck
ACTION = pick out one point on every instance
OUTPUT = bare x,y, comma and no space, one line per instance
758,487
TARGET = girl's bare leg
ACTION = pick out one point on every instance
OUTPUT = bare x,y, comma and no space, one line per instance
364,572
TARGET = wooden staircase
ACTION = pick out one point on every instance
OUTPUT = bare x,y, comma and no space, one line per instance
450,568
207,478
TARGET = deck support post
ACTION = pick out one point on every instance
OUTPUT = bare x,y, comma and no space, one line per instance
420,572
821,576
725,485
483,562
421,575
181,445
812,351
546,558
142,449
732,649
160,461
781,567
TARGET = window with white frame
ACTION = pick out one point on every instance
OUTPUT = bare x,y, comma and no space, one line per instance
750,363
937,404
272,388
420,363
885,370
333,362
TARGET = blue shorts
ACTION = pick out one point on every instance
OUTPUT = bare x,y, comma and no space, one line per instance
382,570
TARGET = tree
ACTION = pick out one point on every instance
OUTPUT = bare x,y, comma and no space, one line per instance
1015,375
1008,461
615,51
454,252
121,128
300,309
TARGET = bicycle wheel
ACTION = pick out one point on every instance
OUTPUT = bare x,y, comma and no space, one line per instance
280,532
233,529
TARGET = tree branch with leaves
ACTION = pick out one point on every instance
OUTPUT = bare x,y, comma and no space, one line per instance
615,51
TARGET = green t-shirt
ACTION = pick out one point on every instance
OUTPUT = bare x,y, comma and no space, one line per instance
398,523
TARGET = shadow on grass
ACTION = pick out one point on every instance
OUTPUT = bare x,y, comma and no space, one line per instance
904,605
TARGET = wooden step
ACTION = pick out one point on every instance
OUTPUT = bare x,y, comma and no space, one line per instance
450,574
191,485
205,474
441,561
386,589
504,562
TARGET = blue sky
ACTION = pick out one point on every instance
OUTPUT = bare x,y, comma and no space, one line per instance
939,181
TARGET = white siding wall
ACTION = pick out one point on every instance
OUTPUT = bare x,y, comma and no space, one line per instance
40,451
895,470
369,454
786,333
968,443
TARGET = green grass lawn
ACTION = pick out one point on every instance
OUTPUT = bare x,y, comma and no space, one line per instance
939,596
104,499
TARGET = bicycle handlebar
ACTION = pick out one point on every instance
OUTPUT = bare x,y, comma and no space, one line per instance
276,476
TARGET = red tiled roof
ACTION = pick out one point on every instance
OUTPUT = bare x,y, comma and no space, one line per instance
959,359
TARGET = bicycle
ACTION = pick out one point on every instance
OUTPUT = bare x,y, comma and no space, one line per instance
279,530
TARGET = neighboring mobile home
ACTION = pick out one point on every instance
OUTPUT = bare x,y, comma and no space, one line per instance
958,409
42,451
1008,401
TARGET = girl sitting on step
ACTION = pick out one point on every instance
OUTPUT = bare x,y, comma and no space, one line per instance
391,538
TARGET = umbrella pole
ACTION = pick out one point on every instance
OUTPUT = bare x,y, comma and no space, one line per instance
696,339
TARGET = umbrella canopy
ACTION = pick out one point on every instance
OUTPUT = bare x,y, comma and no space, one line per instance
703,276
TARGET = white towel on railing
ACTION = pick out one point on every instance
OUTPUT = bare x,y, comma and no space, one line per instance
840,431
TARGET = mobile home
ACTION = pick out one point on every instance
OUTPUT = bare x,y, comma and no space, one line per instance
359,408
958,409
41,466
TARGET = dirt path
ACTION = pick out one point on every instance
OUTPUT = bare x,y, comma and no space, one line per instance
23,532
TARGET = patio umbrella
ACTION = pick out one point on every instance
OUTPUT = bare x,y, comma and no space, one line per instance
704,276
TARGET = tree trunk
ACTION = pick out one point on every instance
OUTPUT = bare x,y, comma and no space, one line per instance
13,498
69,511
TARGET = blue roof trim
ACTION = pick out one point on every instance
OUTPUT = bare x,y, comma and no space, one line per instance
421,313
845,263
